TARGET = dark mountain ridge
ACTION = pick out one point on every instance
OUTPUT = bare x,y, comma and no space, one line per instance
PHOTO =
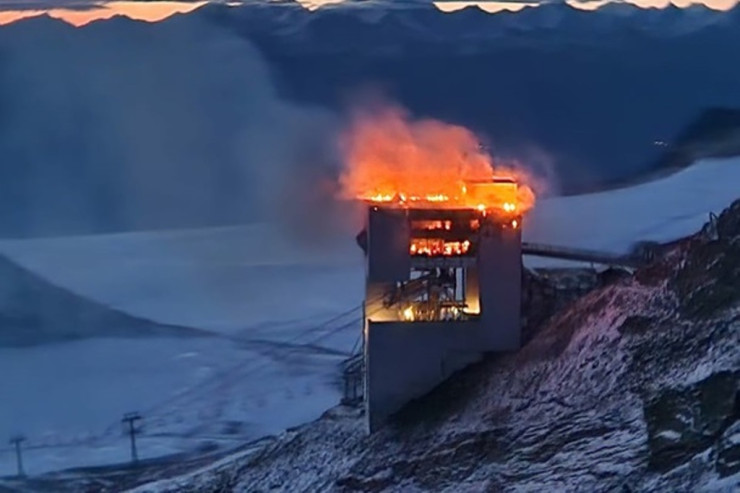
586,98
714,133
382,26
34,311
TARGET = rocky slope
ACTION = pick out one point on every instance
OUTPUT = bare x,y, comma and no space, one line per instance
633,387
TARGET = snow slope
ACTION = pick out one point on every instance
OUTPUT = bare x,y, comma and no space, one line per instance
283,317
275,364
193,393
230,278
224,279
69,397
661,210
633,387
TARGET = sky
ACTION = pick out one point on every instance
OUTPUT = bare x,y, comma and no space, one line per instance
81,12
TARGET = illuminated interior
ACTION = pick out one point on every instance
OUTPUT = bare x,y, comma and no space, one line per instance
443,281
432,247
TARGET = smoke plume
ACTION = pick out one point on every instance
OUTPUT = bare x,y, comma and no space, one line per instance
123,126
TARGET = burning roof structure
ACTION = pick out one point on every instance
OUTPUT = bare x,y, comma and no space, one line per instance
442,241
392,160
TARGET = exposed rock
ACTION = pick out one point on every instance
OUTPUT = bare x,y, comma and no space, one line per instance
547,291
728,449
636,324
682,422
707,279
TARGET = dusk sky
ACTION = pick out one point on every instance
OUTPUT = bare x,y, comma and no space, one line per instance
81,12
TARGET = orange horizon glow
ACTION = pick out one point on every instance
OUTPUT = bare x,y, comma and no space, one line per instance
490,7
155,11
140,11
495,7
589,5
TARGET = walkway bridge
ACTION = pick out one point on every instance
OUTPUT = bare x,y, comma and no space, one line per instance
642,253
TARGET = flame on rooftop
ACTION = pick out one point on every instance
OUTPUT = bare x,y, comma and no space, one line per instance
392,159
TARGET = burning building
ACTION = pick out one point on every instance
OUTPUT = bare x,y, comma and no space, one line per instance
443,277
442,243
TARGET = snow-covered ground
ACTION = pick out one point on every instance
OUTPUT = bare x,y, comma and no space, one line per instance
225,279
68,397
661,210
281,311
274,362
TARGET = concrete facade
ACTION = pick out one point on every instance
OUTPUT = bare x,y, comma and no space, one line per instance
500,284
406,359
388,257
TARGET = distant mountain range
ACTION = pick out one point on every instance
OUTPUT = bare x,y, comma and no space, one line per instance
587,99
590,95
392,29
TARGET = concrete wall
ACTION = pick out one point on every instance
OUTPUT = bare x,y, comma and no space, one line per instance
388,238
500,279
407,360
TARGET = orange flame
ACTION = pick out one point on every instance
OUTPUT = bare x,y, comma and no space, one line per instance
390,158
435,247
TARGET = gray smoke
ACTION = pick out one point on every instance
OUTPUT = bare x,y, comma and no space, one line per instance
123,125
